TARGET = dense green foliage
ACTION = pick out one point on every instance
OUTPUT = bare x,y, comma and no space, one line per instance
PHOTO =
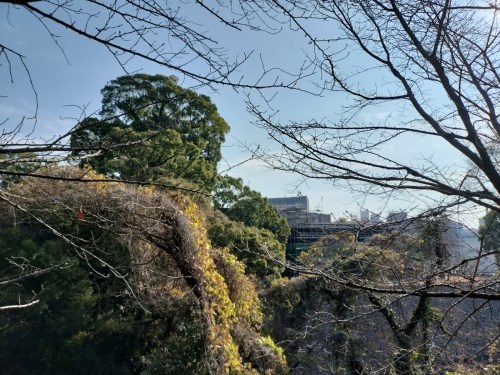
242,204
176,135
163,130
76,325
258,248
248,225
89,326
87,322
181,304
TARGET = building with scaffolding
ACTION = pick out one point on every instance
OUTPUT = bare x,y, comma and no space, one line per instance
307,226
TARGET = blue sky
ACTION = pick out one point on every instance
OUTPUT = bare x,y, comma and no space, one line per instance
68,81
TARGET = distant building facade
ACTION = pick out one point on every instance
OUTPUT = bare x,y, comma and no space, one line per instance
396,216
375,218
364,215
307,227
301,202
463,243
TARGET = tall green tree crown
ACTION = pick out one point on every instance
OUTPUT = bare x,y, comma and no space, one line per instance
163,130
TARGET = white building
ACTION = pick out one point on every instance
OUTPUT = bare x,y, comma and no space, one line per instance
364,215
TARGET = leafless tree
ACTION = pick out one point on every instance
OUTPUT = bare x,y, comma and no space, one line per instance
434,67
386,305
432,64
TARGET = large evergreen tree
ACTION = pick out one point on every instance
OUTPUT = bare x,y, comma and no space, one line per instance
163,130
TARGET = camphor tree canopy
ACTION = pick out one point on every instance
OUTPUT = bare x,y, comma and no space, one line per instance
168,35
172,132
